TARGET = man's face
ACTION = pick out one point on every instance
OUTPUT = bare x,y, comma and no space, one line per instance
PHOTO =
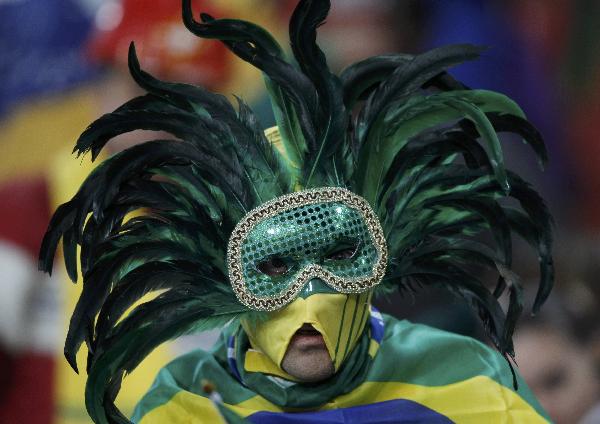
560,373
306,357
311,337
309,258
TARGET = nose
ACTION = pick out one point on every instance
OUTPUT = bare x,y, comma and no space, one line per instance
314,286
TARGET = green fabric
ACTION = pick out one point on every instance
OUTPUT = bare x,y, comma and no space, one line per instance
409,353
457,358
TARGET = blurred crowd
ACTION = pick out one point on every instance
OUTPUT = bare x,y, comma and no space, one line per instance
63,63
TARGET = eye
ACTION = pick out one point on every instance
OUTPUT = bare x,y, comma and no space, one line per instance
273,267
343,253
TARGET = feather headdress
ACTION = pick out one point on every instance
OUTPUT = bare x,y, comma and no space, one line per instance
398,130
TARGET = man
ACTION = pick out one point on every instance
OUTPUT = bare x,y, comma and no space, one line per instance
372,181
556,358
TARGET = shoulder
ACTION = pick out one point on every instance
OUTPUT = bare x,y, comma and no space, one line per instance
173,383
178,392
429,349
452,369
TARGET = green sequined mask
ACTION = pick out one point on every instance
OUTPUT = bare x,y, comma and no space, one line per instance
327,233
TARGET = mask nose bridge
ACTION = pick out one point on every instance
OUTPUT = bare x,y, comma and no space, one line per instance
315,286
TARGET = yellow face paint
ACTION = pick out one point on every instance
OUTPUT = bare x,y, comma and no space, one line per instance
340,318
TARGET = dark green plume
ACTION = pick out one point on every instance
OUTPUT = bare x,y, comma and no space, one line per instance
398,130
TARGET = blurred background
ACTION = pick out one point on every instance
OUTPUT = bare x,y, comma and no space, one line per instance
63,64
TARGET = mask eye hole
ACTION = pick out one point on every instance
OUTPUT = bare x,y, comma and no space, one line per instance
273,267
347,251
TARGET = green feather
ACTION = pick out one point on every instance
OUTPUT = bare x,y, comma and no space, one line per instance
417,114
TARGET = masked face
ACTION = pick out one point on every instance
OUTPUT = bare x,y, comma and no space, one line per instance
330,234
319,252
339,318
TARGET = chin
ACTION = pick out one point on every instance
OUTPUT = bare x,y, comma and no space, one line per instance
308,364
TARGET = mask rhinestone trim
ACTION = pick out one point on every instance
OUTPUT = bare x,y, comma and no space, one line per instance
290,201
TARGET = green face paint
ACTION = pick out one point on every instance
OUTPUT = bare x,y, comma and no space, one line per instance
329,234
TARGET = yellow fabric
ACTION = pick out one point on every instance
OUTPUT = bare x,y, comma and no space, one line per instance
323,311
256,361
274,136
373,348
185,408
474,401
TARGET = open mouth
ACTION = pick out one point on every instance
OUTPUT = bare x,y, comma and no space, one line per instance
307,336
307,330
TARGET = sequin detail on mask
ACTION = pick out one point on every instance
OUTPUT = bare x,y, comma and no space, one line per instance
303,240
304,236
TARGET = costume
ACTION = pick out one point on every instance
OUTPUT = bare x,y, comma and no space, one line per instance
371,182
442,378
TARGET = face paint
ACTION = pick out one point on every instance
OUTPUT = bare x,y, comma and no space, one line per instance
329,233
340,318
